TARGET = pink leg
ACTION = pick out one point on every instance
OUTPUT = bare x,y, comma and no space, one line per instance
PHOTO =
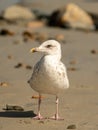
38,117
56,116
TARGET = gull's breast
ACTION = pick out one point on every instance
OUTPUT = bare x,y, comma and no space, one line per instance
49,77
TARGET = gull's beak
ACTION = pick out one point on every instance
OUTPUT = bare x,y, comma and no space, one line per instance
37,49
33,50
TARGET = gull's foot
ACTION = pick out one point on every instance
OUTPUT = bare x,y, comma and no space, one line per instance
38,117
56,117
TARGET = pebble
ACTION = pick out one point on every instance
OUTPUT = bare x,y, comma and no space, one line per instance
36,97
5,32
3,84
41,37
18,65
27,34
72,69
73,126
10,57
28,67
94,51
15,108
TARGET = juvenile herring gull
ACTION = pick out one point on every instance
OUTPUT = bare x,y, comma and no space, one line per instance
49,74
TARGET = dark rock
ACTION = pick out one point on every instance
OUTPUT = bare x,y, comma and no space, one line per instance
5,32
72,16
73,126
94,16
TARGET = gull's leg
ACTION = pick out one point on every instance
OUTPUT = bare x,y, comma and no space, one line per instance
38,117
56,116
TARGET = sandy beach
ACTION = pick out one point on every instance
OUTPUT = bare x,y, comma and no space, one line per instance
78,104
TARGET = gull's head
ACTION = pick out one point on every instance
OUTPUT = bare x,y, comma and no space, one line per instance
49,47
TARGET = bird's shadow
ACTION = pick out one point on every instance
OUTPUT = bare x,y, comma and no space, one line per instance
17,114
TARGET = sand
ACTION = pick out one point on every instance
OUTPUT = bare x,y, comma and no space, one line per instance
78,104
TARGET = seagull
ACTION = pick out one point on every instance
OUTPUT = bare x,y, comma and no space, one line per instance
49,74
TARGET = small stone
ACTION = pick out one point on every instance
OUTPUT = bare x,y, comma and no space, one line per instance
72,69
27,34
18,108
14,108
5,32
18,65
73,126
36,97
94,51
3,84
28,67
10,57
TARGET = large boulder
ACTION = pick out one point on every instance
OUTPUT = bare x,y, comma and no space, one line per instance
72,16
17,12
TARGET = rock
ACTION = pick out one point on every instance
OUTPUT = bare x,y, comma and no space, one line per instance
40,37
36,97
94,16
10,57
17,12
13,108
28,34
28,67
94,51
18,65
72,16
71,126
3,84
71,69
6,32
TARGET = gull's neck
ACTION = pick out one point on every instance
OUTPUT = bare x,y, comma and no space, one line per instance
55,58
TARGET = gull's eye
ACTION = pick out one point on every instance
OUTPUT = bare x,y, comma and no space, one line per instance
49,46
